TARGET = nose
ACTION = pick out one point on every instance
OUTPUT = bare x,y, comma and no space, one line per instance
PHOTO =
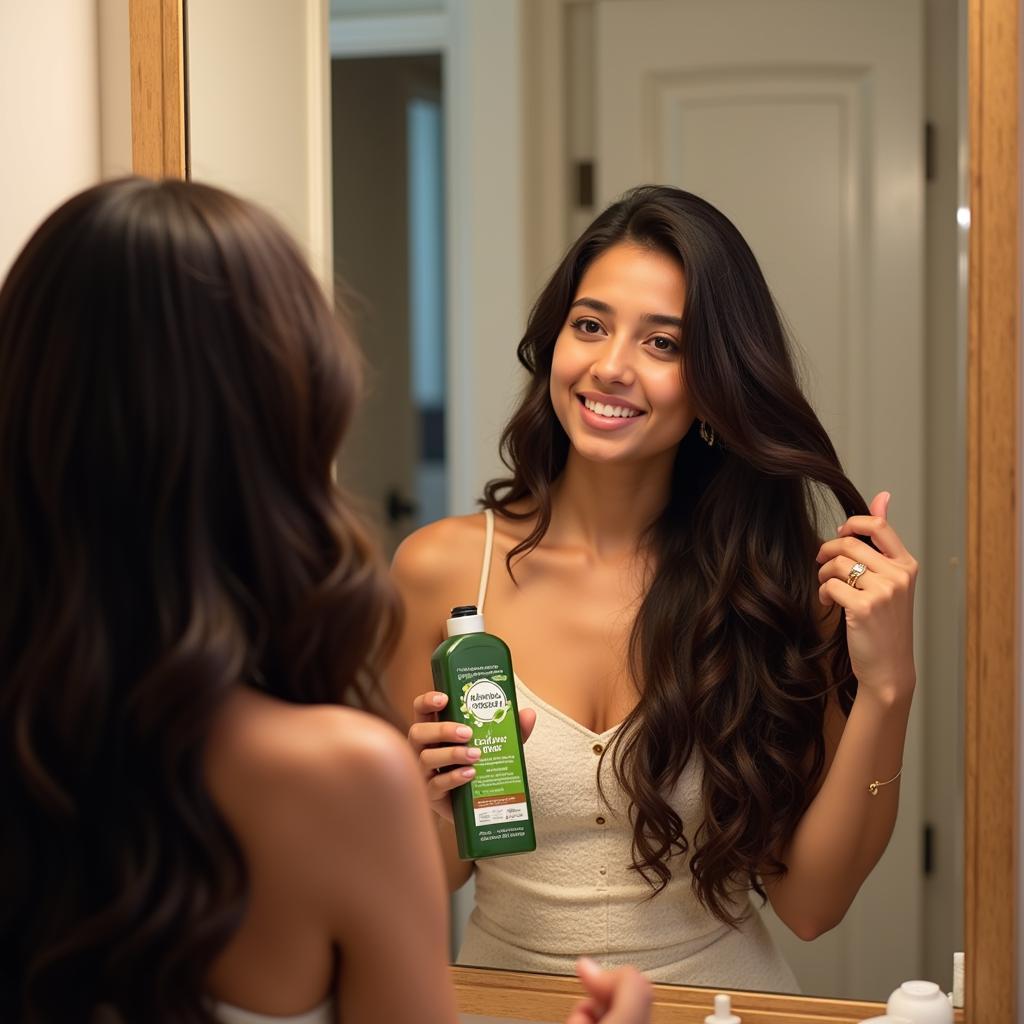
613,362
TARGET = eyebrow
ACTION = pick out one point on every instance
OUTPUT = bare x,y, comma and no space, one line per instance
651,318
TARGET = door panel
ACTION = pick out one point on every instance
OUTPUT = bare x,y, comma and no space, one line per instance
388,251
806,129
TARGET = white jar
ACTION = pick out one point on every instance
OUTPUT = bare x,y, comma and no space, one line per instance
921,1002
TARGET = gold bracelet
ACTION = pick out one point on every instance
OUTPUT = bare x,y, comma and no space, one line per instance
873,786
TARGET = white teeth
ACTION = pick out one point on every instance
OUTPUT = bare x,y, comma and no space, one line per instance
611,411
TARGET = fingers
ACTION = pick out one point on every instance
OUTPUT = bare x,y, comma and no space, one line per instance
586,1011
886,539
880,505
433,734
852,548
840,566
633,997
441,784
443,757
427,705
625,992
836,591
440,746
891,568
597,983
527,720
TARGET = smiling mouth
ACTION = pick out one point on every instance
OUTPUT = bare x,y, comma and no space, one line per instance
609,411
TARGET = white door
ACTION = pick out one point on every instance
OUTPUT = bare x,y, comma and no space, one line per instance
803,121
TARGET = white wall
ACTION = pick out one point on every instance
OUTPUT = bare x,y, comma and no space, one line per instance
375,8
487,300
49,113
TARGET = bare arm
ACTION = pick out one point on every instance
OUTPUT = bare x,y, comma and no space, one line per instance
845,830
420,570
379,882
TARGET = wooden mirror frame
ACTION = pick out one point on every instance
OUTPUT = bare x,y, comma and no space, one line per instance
993,523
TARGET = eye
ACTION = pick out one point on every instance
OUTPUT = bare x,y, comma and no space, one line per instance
587,325
662,344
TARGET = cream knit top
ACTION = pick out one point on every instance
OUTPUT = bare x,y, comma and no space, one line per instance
576,894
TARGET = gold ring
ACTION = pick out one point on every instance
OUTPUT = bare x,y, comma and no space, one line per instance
856,571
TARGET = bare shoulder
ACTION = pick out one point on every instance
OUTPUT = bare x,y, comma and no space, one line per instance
305,767
360,760
427,559
430,552
340,755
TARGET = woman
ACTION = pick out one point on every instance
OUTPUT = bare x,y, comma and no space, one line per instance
720,697
193,822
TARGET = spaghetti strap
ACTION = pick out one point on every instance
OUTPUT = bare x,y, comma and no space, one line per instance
485,569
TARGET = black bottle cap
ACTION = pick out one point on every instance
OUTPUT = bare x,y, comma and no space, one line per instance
462,610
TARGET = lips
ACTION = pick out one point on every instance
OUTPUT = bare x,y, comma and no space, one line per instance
606,412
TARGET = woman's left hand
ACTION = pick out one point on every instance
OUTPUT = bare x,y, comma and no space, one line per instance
621,996
880,608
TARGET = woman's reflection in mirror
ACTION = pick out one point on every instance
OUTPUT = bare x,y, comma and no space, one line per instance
713,675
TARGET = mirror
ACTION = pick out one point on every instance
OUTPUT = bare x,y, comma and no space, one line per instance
830,132
553,116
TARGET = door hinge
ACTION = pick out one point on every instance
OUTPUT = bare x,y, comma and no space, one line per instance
928,850
398,507
585,183
929,151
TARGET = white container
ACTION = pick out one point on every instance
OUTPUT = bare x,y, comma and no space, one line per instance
723,1011
921,1002
958,981
886,1019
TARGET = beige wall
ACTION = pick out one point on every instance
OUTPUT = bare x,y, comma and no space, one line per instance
114,88
258,113
49,114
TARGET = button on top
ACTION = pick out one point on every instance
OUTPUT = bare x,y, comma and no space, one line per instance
602,871
600,820
598,748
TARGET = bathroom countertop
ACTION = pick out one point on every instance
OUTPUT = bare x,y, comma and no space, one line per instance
473,1018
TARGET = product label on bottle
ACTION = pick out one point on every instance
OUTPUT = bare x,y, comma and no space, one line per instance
498,789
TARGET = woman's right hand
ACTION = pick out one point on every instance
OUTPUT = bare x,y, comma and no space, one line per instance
622,996
445,758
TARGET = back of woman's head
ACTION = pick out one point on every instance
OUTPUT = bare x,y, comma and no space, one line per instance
173,391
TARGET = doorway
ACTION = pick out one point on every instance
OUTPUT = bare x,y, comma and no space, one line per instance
387,138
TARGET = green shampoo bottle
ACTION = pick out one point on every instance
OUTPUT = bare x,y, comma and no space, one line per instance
492,812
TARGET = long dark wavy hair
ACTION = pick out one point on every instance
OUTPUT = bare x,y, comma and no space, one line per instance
173,391
727,647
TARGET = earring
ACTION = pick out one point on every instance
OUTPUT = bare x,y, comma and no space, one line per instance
707,434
